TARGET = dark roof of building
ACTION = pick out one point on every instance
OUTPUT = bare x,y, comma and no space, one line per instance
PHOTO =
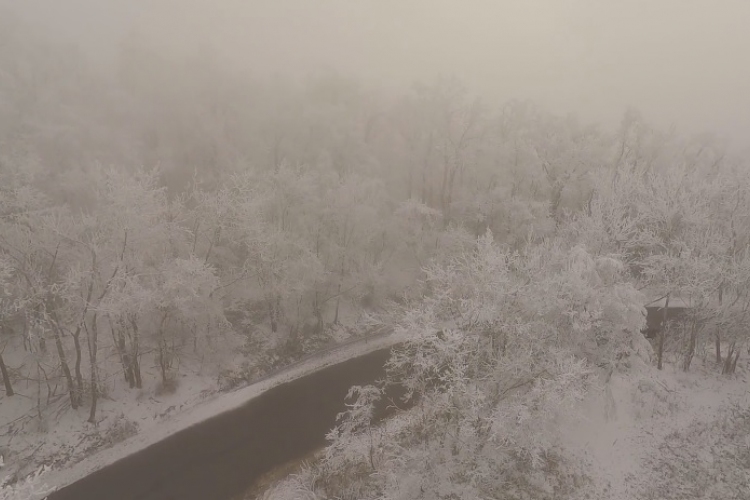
676,302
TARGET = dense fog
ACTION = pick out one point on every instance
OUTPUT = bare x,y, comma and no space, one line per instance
680,62
542,207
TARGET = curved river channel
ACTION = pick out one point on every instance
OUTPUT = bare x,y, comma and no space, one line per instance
223,456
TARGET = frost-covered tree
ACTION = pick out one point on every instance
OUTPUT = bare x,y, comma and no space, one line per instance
674,211
502,344
6,310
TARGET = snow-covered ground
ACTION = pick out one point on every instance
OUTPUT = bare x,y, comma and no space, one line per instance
62,436
628,422
189,410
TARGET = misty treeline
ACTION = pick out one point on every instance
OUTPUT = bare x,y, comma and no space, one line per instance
160,213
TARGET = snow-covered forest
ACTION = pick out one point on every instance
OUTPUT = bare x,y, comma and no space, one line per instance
172,228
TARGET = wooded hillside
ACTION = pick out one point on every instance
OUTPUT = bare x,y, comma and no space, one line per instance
176,215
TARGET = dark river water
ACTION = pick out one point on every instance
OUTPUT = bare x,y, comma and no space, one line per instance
222,457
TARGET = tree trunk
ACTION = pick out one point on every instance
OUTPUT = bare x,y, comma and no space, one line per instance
119,342
6,377
163,361
717,341
338,303
426,190
662,333
27,347
736,358
444,188
717,338
318,313
692,341
135,354
338,294
118,338
163,357
137,372
726,369
449,192
39,391
50,392
273,316
93,347
660,349
277,308
66,368
79,355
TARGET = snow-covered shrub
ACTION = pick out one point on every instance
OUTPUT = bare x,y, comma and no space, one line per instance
29,488
707,460
120,430
651,399
299,486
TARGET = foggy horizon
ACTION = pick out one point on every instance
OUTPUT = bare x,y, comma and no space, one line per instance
678,62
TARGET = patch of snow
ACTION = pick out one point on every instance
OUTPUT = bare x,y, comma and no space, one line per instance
62,436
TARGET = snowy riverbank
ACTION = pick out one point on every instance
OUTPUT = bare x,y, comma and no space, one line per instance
216,405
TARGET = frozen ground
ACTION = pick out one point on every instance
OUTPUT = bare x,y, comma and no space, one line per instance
636,420
158,419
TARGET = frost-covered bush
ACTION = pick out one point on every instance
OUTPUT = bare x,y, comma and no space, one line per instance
707,460
30,488
297,486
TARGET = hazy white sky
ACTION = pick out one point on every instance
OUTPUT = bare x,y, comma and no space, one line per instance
685,62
